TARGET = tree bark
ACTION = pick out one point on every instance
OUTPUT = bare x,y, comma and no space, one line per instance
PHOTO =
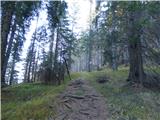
51,51
36,66
15,54
33,66
7,13
56,57
67,68
26,72
29,72
12,72
51,55
90,42
136,71
9,48
114,37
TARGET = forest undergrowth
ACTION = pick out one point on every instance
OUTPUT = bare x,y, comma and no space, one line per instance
35,101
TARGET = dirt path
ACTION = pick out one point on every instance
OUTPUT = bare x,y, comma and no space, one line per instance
80,101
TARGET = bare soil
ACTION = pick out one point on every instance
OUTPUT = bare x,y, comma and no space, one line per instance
80,101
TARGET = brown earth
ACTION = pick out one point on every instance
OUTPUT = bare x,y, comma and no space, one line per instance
80,101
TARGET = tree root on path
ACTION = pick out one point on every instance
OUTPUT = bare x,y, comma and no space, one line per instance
81,102
75,96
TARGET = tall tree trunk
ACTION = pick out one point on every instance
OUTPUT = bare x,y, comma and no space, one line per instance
15,54
9,48
36,66
89,55
29,72
51,52
114,37
26,72
89,42
65,61
56,56
31,60
136,71
32,55
114,56
69,57
51,56
33,66
12,72
7,13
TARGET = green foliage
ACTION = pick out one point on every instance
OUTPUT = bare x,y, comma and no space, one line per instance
24,12
153,7
56,10
134,6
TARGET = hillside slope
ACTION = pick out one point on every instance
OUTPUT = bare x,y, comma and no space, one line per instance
124,102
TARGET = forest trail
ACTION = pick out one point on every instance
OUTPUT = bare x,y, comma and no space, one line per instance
80,101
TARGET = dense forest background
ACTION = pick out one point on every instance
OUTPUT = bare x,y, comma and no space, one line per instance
119,34
54,67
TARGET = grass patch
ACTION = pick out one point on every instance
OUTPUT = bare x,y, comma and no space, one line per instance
35,101
30,101
126,102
